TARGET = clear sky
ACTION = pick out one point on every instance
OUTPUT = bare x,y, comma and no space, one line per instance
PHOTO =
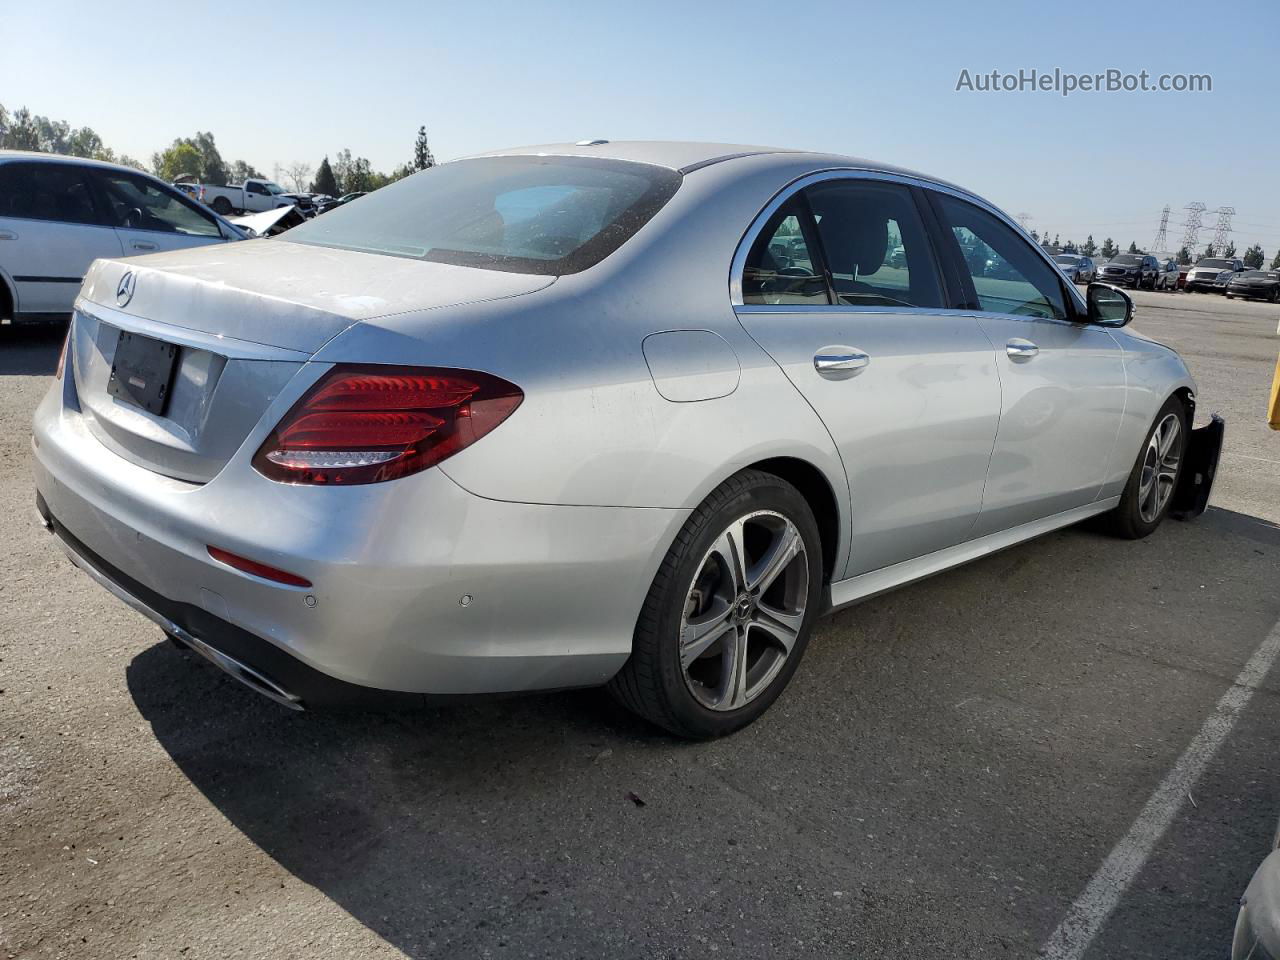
286,81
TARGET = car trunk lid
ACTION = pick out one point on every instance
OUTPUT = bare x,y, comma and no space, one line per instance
233,325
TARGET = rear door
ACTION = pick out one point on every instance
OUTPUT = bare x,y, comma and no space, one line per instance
1062,380
51,229
907,388
150,217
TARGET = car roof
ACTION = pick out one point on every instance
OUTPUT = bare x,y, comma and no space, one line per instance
687,156
63,158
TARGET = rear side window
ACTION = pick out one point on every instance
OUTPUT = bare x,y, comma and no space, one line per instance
874,244
46,191
1009,275
540,215
782,267
138,203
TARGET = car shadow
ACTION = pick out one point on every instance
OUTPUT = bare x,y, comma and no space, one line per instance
31,349
560,825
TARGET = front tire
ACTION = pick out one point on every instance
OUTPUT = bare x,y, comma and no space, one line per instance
729,612
1154,478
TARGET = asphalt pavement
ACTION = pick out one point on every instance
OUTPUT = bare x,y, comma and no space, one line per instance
951,767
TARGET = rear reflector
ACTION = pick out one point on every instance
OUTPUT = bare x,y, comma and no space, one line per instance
245,565
366,424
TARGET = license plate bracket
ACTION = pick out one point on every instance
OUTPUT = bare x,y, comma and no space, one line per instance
142,371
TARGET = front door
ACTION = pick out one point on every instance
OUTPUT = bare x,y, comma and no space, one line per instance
150,217
907,388
1062,380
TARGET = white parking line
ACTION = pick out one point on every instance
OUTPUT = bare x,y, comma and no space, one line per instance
1092,908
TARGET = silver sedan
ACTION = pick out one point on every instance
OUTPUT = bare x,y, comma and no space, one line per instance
632,414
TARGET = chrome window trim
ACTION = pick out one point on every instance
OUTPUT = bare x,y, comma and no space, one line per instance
740,255
745,309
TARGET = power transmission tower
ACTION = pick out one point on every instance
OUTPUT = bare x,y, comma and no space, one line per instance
1223,228
1191,236
1162,236
1024,219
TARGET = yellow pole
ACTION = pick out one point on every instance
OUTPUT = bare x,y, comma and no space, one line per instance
1273,414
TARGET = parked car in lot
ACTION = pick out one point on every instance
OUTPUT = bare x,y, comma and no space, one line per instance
1213,274
1169,275
453,439
1255,284
252,196
332,204
58,214
1134,270
1257,933
1077,267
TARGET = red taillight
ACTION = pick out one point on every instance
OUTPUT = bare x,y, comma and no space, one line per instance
62,357
246,565
365,424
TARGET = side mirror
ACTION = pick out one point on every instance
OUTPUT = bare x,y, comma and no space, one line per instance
1108,306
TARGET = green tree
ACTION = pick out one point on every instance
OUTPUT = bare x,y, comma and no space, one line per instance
1230,250
1109,248
212,168
1253,257
1133,248
325,182
1184,255
1211,251
240,171
1089,248
422,157
180,160
1275,264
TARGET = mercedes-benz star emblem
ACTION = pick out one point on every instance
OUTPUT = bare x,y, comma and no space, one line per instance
124,289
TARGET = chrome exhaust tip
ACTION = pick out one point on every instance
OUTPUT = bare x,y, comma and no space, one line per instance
250,677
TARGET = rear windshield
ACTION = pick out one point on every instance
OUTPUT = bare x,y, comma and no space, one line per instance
543,215
1128,258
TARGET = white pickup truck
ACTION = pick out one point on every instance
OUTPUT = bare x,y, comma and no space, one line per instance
252,196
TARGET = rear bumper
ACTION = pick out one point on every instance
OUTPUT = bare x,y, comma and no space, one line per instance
418,586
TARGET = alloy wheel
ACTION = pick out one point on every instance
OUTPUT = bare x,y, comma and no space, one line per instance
1160,468
744,610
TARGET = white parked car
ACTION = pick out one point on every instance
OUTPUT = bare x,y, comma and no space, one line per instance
59,214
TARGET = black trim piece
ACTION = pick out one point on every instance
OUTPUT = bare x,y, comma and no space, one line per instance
1204,448
712,161
48,279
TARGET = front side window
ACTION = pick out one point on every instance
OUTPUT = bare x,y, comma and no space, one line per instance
521,214
781,266
875,244
141,204
1009,275
46,191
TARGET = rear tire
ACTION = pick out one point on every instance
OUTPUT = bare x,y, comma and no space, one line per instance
1149,492
221,206
717,641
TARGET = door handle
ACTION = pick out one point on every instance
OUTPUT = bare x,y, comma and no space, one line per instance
1021,350
840,363
143,245
8,235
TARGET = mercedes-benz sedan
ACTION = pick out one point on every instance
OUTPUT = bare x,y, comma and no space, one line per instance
611,413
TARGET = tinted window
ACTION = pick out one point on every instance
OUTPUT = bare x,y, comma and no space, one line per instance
142,204
874,244
780,267
546,215
1009,276
46,191
255,188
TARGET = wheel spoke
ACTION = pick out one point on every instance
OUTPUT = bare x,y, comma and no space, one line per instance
786,545
729,547
733,674
699,636
782,625
1168,435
